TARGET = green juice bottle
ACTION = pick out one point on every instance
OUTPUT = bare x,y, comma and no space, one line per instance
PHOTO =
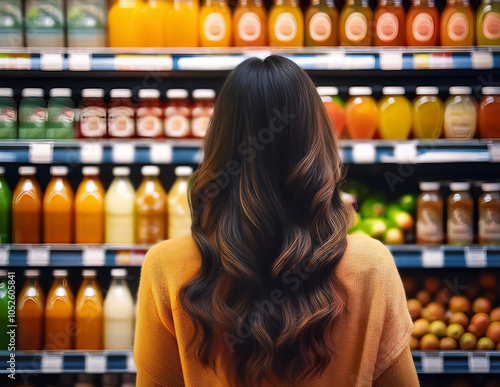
32,115
8,115
61,115
4,311
5,209
11,23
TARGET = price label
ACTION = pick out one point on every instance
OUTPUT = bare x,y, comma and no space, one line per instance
38,256
51,62
52,363
91,153
4,257
479,362
80,62
161,153
94,256
130,363
123,153
441,61
391,61
363,153
494,152
405,152
206,63
432,258
432,363
143,63
482,60
137,258
475,256
95,363
41,153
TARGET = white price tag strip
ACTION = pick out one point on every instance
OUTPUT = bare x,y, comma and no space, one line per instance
80,62
94,256
52,363
441,61
475,256
405,153
95,363
482,60
123,153
91,153
143,62
130,363
51,62
432,258
363,153
137,258
432,363
479,362
391,61
41,153
4,256
38,256
161,153
494,152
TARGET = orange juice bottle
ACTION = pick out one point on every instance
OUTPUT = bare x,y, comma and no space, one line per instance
30,313
322,19
181,24
355,25
250,24
153,14
27,208
215,24
422,24
286,24
361,113
89,314
89,208
125,23
59,314
389,23
58,208
457,24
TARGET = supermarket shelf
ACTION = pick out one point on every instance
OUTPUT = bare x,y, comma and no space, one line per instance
207,59
190,152
456,362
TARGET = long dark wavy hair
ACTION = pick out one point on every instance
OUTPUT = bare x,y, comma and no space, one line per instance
270,224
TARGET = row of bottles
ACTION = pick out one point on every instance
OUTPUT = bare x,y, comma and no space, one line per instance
94,118
62,320
119,215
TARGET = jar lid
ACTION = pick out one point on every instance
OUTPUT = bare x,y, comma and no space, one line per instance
59,171
490,90
183,171
490,187
177,94
30,92
32,273
327,90
89,273
119,273
460,186
460,90
90,171
203,94
120,93
6,92
60,92
60,273
27,170
150,170
393,90
357,90
93,93
427,90
121,171
149,93
429,185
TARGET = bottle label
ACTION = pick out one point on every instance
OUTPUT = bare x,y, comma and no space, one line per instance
459,225
88,15
93,121
176,121
45,15
149,122
491,25
387,27
285,27
356,27
320,27
214,27
63,115
423,27
121,121
11,17
430,225
36,115
200,121
489,225
458,27
460,123
249,27
8,116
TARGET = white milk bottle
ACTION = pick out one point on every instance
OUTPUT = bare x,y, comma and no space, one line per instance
179,214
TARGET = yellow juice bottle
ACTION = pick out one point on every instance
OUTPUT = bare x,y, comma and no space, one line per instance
428,113
124,23
215,24
181,24
286,24
153,13
395,114
250,24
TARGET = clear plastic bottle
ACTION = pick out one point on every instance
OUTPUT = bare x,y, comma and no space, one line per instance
8,114
489,214
87,23
61,115
460,214
179,214
488,23
430,215
30,313
488,112
395,114
89,314
44,23
11,23
460,113
32,114
428,113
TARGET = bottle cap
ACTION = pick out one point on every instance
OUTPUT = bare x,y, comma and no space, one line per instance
121,171
460,90
58,171
429,185
177,94
427,90
32,273
3,273
203,94
393,90
459,186
62,92
355,91
6,92
183,171
490,187
30,92
150,170
120,93
60,273
93,93
489,90
90,171
2,170
327,90
149,93
27,170
89,273
119,273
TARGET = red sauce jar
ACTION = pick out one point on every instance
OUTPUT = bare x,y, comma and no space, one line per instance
121,114
93,109
149,114
177,114
203,106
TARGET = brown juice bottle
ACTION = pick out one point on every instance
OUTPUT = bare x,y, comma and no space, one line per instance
30,314
430,215
460,213
489,214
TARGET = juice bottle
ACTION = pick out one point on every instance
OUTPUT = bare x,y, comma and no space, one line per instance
5,209
93,109
390,24
361,113
179,214
488,113
203,107
89,314
322,19
250,24
181,24
30,313
457,24
11,23
149,114
489,214
460,113
460,214
32,114
44,23
215,24
334,106
125,23
286,24
4,312
119,208
177,114
59,314
422,24
153,17
27,208
355,26
8,114
150,208
118,313
89,208
428,113
61,115
429,229
395,114
58,208
87,23
488,23
121,114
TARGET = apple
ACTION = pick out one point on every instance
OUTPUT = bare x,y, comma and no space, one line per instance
481,305
447,343
495,314
468,341
429,341
432,284
493,331
479,324
414,343
414,307
420,328
459,318
433,311
438,328
485,343
459,304
455,331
